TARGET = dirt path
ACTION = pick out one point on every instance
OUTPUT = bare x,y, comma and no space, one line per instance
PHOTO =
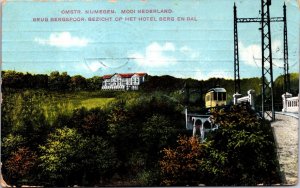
286,134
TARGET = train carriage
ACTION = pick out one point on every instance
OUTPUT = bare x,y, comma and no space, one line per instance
215,97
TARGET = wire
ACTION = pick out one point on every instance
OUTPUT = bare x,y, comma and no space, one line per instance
254,59
105,65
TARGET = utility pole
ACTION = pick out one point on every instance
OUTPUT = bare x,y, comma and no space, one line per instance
267,66
287,86
237,86
266,47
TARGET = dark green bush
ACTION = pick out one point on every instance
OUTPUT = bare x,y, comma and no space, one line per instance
241,151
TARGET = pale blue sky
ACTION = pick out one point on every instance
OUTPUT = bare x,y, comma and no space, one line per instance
197,49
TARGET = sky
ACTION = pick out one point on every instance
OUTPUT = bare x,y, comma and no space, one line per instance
199,47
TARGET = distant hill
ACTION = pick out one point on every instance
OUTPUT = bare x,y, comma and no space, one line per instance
62,81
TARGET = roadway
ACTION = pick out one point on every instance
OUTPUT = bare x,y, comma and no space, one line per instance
285,130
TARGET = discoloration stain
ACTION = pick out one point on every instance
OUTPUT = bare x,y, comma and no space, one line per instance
3,2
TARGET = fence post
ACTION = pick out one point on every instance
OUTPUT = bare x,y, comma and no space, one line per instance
284,101
251,94
235,98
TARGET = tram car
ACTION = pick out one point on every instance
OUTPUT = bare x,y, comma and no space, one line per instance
215,97
201,121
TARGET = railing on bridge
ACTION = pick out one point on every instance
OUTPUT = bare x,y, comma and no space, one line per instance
201,124
290,103
238,99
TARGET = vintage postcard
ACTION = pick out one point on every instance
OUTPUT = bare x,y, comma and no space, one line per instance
149,93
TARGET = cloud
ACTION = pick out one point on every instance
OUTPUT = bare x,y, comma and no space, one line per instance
156,55
63,40
162,55
203,74
251,55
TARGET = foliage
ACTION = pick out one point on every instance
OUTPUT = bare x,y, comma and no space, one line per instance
149,177
55,81
13,142
74,133
241,151
59,82
89,122
59,157
179,166
78,83
164,83
157,132
279,86
99,160
136,122
20,164
94,83
69,158
23,116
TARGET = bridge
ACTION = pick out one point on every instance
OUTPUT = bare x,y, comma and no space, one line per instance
290,103
200,124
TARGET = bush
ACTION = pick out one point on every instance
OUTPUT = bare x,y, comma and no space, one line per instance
179,166
241,151
68,158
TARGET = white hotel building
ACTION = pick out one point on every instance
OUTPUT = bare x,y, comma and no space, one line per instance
128,81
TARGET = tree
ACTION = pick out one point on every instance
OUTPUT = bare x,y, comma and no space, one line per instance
22,115
163,83
41,81
95,123
89,122
12,79
94,83
68,158
78,83
99,160
180,166
59,158
157,132
20,164
59,82
241,151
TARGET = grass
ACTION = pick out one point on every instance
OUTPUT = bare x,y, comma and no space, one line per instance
54,104
95,102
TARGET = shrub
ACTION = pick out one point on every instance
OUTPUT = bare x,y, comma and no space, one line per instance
179,166
241,151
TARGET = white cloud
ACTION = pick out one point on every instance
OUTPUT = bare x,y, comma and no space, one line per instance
162,55
168,47
155,55
202,74
251,55
219,74
63,39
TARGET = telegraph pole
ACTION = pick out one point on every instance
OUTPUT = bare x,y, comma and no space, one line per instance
266,47
267,66
287,86
237,86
